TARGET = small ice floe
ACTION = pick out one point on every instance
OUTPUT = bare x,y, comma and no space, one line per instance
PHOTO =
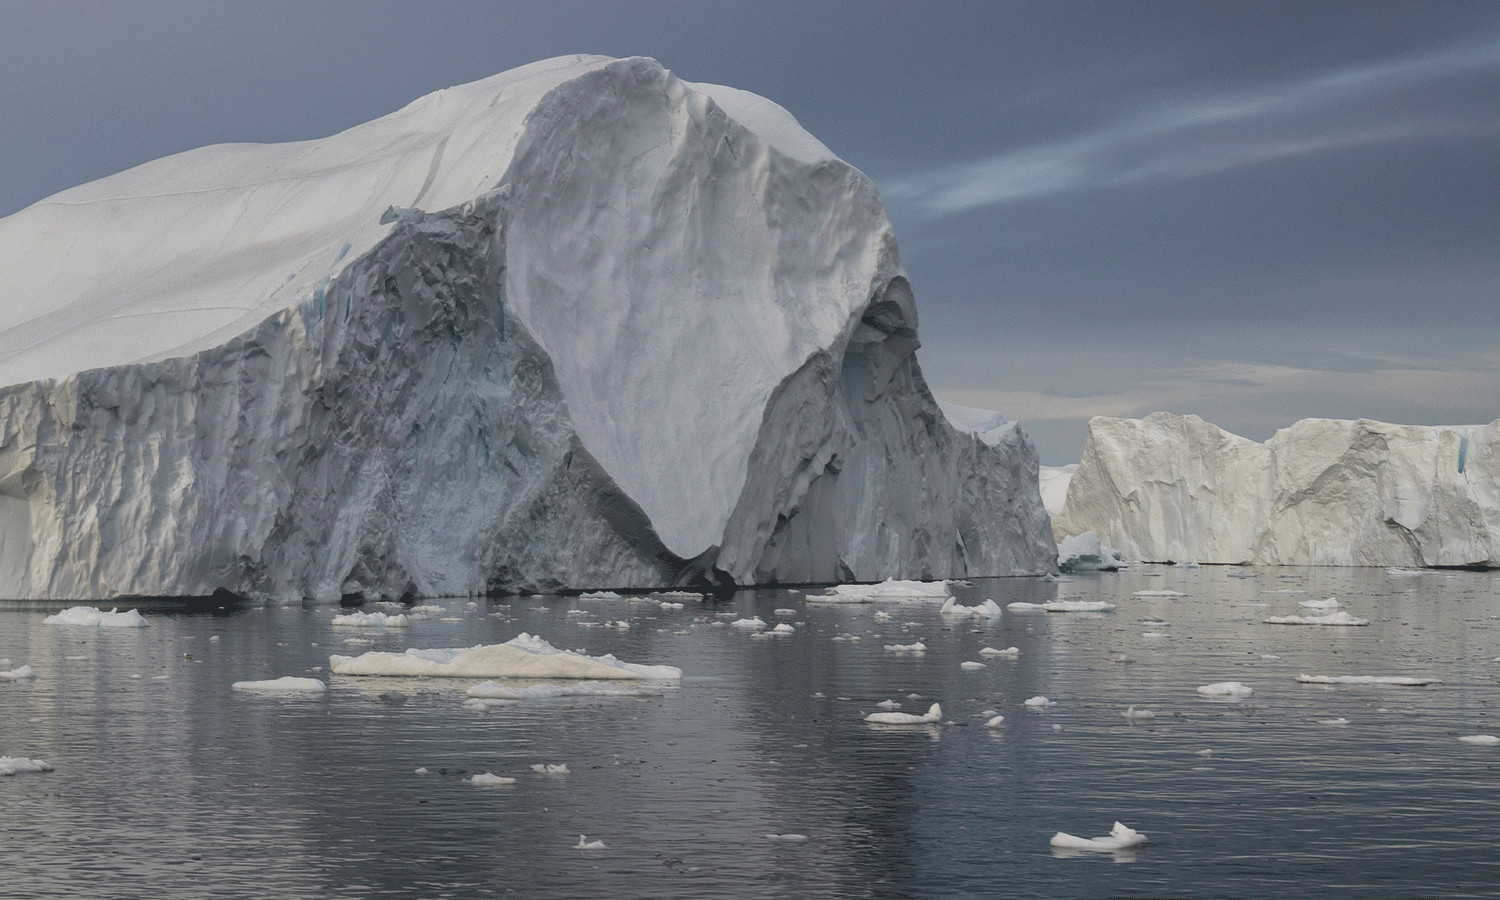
550,769
427,609
1131,714
1325,603
1067,606
1337,723
523,656
1120,837
755,623
421,770
1398,680
1023,606
1155,622
287,684
782,628
494,690
972,666
1158,594
994,722
883,616
933,716
20,673
917,647
600,595
1205,753
1485,740
1008,652
788,838
891,589
15,765
213,639
97,618
1342,617
358,641
1286,591
1269,656
1039,702
671,605
1154,635
484,779
1226,689
989,609
1397,572
678,595
371,620
586,844
792,613
888,705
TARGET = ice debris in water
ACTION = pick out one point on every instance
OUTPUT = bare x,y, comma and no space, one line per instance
1077,606
98,618
917,647
17,674
1008,652
485,779
1325,603
933,716
550,769
1341,617
989,609
890,589
1339,722
1158,594
789,613
1482,739
421,770
585,844
370,620
1226,689
994,722
888,704
972,666
1399,680
1120,837
788,838
523,656
14,765
1131,714
600,595
1040,702
752,624
287,684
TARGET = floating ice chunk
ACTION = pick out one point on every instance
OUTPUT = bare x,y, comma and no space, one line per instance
427,609
1119,838
972,666
98,618
287,684
994,722
1286,591
1039,702
494,690
891,589
20,673
791,613
585,844
1131,714
1084,553
1204,753
1153,635
783,628
883,616
678,595
1325,603
933,716
1023,606
1064,606
1269,656
550,769
370,620
15,765
787,838
989,609
1397,572
600,595
1399,680
1339,722
918,647
1342,617
1487,740
485,779
888,705
523,656
1008,652
755,623
670,605
421,770
1158,594
1226,689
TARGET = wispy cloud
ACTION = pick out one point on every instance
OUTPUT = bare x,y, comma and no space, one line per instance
1192,137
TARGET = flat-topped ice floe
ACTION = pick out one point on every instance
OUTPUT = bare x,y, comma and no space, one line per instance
989,609
1119,838
1398,680
1325,603
1342,617
14,765
1163,593
916,647
1483,740
888,590
90,617
523,656
933,716
20,673
1008,652
287,684
370,620
1066,606
1226,689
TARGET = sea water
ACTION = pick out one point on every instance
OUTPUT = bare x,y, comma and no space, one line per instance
168,784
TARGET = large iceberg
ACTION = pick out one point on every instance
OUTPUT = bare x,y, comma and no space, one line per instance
1325,492
581,324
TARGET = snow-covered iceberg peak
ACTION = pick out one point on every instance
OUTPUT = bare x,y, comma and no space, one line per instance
581,324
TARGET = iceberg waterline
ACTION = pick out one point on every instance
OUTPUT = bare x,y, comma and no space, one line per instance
430,404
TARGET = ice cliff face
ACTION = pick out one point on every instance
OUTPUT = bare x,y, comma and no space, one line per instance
1322,492
649,333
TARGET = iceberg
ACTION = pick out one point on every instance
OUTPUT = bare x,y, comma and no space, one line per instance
1084,553
523,656
90,617
582,324
1327,492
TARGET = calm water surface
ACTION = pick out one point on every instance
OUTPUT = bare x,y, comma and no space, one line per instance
170,785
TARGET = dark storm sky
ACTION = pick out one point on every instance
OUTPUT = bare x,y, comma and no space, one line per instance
1252,212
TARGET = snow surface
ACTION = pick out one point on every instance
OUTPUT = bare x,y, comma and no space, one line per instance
1320,492
579,324
287,684
1120,837
97,618
933,716
523,656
